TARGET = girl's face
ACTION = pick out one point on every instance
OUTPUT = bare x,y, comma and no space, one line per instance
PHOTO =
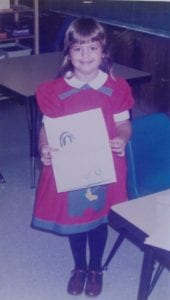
86,59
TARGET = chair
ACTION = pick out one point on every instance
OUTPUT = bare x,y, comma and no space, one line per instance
148,161
148,155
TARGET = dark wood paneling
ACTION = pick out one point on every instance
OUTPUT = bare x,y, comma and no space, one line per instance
149,53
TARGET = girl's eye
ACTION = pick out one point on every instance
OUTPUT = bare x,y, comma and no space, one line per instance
76,49
93,48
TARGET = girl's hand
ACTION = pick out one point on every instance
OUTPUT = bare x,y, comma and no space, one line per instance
118,146
46,155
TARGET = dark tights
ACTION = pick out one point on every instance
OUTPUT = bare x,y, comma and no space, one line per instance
96,240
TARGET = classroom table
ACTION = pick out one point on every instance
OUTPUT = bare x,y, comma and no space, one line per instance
145,221
22,75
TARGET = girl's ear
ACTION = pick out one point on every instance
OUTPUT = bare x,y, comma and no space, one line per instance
103,56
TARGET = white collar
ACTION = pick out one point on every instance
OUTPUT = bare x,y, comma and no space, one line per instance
96,83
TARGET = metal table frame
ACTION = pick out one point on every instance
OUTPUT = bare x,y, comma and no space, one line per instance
131,231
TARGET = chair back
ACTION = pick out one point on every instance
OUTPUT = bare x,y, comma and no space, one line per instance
148,155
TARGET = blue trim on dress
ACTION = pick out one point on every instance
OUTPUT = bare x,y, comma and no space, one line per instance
67,229
104,90
73,91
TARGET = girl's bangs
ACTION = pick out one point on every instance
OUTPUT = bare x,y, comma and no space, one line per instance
83,39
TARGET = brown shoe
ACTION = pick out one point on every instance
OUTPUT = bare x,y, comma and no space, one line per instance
94,283
76,282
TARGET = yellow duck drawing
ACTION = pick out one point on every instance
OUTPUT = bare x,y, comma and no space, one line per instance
90,196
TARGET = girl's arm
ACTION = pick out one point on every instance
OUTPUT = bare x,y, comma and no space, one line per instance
42,138
118,144
44,148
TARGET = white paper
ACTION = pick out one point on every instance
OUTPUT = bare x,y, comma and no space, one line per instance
84,158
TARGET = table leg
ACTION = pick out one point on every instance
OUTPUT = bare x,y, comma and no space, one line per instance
2,179
32,122
156,277
146,273
114,249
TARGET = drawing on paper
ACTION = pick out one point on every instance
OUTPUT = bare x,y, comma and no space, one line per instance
66,138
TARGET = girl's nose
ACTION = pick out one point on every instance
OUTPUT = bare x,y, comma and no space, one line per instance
85,51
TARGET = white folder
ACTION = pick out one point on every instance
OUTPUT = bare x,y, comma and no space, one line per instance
84,156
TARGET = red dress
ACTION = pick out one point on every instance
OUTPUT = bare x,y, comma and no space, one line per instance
72,212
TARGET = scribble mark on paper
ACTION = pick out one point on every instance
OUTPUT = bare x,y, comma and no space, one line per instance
66,138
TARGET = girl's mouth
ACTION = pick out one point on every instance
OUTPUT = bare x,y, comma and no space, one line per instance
84,62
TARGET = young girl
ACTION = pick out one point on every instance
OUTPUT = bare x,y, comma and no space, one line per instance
85,83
